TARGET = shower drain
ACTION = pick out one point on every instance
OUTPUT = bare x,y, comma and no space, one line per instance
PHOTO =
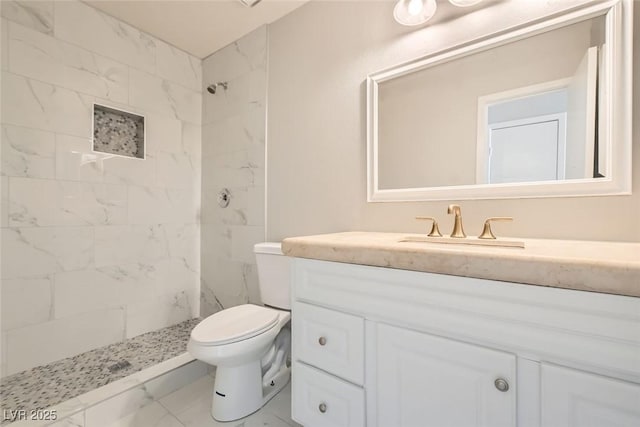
119,366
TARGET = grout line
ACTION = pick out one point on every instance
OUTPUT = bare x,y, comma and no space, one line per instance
52,285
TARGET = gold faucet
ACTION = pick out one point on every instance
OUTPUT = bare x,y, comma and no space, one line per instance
458,231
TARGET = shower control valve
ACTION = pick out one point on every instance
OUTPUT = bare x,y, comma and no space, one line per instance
224,197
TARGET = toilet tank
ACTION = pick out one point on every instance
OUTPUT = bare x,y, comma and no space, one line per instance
274,275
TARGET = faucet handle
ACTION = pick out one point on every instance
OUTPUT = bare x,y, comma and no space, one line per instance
435,231
486,231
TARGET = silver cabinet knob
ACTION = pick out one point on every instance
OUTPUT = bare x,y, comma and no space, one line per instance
501,384
322,340
322,407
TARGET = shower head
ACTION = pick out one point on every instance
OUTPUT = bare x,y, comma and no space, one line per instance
213,87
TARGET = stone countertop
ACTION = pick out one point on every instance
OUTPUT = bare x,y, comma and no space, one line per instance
606,267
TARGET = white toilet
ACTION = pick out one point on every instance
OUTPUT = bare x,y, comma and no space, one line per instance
249,344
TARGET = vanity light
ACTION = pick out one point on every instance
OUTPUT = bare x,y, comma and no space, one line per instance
464,3
414,12
250,3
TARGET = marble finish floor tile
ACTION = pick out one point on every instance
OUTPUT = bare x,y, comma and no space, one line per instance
191,406
48,385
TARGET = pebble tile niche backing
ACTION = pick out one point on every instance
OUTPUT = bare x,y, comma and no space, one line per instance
118,132
48,385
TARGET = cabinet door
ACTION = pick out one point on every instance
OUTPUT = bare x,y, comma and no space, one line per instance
575,398
424,380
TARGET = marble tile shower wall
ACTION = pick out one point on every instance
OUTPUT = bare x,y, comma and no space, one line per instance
233,157
95,248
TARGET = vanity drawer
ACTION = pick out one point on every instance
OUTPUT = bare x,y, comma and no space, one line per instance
330,340
320,399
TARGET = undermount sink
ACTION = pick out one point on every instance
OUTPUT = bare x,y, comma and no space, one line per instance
464,241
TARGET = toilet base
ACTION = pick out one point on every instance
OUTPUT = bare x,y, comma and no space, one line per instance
238,390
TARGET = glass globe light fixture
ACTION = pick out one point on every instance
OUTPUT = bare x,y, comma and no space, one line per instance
414,12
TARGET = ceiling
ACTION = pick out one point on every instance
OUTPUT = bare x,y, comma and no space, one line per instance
199,27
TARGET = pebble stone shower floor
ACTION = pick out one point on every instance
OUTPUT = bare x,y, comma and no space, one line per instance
44,386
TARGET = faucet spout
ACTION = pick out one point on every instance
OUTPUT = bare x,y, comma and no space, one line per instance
458,230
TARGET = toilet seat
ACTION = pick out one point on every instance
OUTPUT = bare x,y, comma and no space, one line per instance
234,324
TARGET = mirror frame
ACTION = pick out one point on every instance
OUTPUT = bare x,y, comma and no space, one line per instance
616,119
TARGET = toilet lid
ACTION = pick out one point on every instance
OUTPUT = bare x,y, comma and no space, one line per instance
234,324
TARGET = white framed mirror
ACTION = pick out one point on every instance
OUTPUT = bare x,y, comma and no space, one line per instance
540,111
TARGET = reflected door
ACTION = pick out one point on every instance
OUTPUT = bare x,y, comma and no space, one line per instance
526,150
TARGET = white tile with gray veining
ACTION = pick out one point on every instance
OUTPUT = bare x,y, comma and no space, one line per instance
39,202
174,276
164,133
125,170
4,39
162,96
4,201
191,138
33,14
178,66
91,290
233,157
242,94
151,415
239,58
252,158
62,338
82,25
192,407
38,105
117,407
148,245
38,251
118,245
218,273
81,244
184,244
256,209
35,293
161,205
3,352
177,170
47,59
243,240
161,311
28,152
244,176
75,160
76,420
242,132
235,214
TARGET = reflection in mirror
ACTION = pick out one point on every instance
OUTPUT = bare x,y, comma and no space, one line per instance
525,111
542,110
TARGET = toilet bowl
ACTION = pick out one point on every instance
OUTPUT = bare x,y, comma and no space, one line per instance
249,344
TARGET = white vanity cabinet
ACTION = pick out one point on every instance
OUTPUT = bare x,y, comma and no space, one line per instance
382,347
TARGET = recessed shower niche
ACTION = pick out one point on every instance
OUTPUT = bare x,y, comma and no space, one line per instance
118,132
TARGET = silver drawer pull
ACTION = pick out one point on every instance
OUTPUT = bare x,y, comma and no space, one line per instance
322,407
501,384
322,340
